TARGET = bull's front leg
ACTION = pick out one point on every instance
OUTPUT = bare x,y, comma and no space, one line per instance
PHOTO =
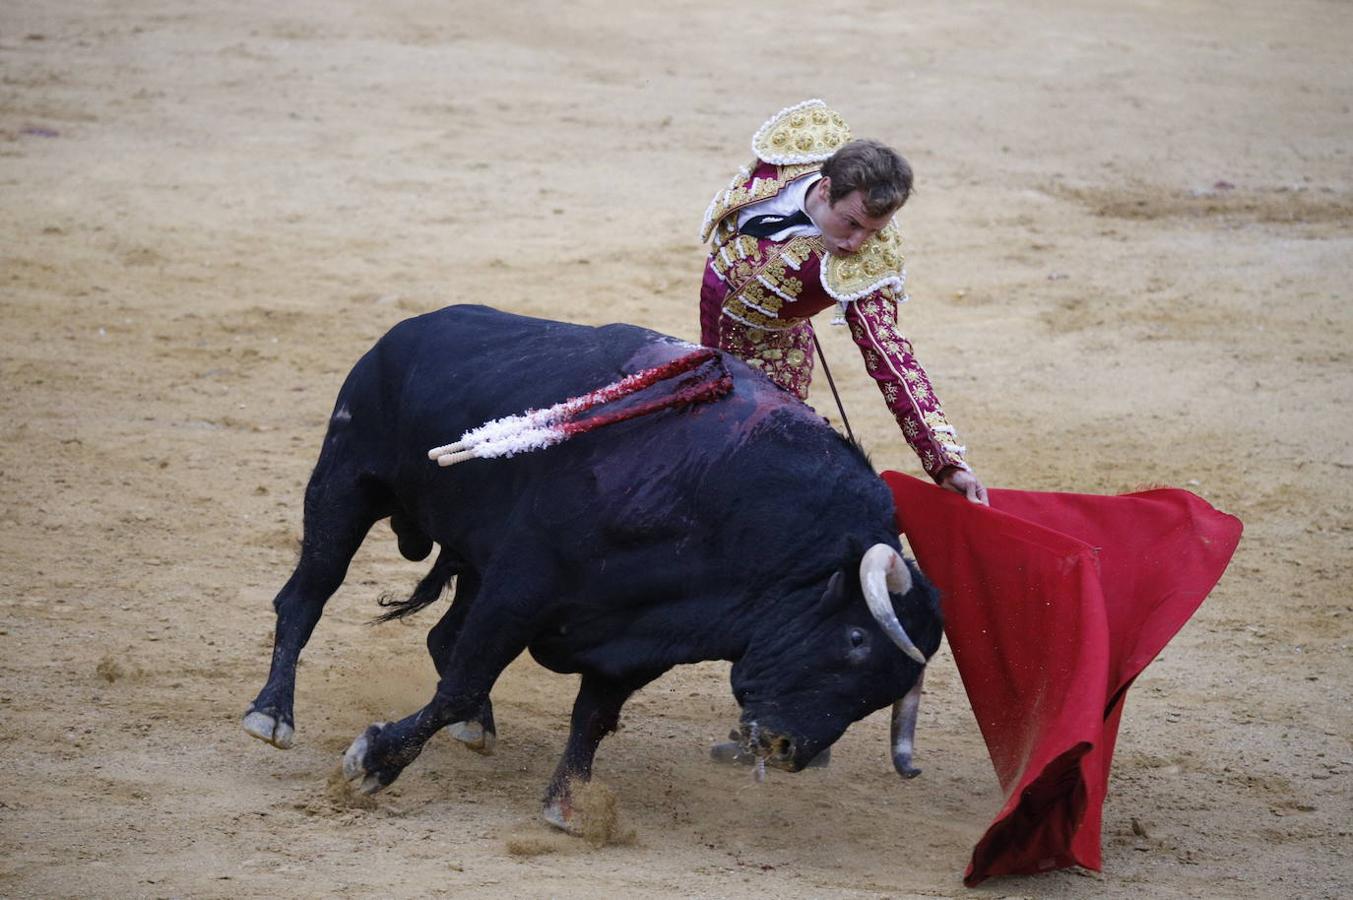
596,712
382,752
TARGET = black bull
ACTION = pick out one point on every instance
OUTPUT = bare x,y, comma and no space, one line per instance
744,529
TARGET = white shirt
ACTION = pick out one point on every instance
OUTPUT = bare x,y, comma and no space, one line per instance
785,203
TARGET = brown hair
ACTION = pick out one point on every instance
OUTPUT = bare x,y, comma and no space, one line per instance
882,177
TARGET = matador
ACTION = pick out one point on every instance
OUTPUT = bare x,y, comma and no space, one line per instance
808,224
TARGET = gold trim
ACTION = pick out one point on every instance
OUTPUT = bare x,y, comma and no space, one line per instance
807,132
759,286
878,263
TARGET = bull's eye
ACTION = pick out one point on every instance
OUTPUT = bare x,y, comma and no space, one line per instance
856,637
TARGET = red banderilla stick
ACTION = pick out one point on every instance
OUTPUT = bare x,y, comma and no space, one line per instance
536,429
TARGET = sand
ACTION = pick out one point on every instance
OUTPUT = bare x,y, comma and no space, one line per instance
1130,254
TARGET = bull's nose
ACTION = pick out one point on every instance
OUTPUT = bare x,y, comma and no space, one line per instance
776,749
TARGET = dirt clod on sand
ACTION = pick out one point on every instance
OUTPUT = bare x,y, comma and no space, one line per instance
598,810
527,845
109,669
343,795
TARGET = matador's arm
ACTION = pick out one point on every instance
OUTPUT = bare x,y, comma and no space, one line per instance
906,389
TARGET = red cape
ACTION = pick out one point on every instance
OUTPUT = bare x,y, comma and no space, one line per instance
1053,604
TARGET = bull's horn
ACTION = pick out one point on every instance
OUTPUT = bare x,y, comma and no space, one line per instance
882,571
902,731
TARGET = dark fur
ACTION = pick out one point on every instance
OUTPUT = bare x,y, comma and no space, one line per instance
711,532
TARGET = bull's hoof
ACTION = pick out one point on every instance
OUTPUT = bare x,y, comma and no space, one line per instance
559,814
356,764
474,736
266,726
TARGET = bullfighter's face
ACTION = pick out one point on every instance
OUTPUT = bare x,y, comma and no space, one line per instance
845,224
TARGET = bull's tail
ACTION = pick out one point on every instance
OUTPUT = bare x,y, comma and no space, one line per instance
427,591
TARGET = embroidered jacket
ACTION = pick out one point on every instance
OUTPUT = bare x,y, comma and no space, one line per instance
759,295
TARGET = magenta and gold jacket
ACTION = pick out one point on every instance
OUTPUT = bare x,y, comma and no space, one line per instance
756,291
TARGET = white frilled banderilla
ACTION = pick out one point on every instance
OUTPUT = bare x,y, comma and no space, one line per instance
540,428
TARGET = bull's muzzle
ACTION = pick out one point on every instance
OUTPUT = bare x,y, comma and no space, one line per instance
767,747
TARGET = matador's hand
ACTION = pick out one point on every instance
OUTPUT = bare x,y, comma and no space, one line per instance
963,481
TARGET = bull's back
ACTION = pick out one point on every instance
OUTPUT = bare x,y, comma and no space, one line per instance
440,374
458,367
433,377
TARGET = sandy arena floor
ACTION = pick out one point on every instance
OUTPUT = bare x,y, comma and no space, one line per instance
1130,260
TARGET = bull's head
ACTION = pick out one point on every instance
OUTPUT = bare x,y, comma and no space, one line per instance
861,646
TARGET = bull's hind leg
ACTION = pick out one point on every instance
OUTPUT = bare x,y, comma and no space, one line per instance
339,510
477,733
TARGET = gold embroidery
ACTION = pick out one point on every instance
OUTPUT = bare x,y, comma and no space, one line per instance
760,285
790,286
876,265
785,355
872,307
721,234
756,296
935,420
806,133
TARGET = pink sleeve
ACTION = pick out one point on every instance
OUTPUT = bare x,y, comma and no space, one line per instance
890,361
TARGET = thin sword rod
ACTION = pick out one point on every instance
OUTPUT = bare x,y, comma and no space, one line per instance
828,371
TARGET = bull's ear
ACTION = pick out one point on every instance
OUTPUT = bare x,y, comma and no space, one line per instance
836,589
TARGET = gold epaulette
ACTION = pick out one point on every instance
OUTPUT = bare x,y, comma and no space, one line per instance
807,132
878,263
